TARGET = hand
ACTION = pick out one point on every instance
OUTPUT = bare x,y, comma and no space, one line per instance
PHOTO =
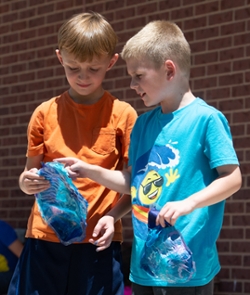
172,210
31,183
105,228
75,167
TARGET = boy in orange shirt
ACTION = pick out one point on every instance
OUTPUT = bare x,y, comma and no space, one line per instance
90,124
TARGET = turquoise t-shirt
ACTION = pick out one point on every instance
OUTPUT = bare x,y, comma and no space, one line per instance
173,156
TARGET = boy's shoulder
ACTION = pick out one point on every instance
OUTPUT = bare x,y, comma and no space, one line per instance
51,101
198,107
118,105
204,105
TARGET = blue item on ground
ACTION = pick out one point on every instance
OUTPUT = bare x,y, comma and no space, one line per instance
62,207
165,255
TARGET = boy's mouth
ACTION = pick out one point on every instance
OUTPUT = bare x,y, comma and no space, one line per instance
142,94
83,85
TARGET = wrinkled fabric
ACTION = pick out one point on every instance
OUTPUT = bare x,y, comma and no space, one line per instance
61,206
165,255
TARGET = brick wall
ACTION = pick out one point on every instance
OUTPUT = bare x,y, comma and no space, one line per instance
219,35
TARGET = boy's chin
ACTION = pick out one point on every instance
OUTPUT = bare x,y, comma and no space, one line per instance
149,104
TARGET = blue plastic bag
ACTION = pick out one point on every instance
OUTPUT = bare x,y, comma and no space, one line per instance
62,207
165,255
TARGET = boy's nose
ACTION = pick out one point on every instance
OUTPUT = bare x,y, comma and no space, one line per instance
133,84
82,76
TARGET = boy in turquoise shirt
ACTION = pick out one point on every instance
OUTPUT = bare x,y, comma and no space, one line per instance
181,160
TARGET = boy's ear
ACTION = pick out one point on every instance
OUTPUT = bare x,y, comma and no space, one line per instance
59,56
113,61
170,69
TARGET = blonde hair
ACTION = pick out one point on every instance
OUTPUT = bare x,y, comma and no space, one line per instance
87,35
157,42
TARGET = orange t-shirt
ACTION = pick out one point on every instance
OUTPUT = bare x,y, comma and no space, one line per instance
98,134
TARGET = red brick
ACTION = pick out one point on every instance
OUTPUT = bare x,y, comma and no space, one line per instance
135,23
159,15
4,29
228,260
207,33
233,28
231,79
241,90
51,18
241,65
205,58
247,288
197,72
225,4
229,54
242,13
4,8
169,4
234,207
205,83
238,130
125,13
9,17
18,5
221,17
235,233
206,8
219,43
226,287
241,220
61,5
181,13
146,8
242,39
218,68
239,273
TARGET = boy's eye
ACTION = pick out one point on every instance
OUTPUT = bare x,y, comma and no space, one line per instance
72,69
94,70
138,76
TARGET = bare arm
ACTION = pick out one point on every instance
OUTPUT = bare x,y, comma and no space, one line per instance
122,207
115,180
16,247
29,181
228,182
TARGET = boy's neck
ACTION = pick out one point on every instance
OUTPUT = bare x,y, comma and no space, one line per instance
89,99
178,102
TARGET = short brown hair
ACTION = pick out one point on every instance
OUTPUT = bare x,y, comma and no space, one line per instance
158,41
87,35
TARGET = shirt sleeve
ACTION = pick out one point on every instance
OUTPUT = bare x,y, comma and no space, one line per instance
126,124
35,133
8,234
219,145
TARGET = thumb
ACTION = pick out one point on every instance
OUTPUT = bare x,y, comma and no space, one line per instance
97,229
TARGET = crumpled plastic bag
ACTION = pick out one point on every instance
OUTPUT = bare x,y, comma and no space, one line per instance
62,207
165,255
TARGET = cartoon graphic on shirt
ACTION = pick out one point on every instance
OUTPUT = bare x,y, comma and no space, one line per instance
155,172
150,188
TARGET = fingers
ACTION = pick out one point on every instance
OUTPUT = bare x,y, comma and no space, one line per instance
166,215
71,166
100,244
72,174
65,161
34,186
104,241
105,231
33,183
